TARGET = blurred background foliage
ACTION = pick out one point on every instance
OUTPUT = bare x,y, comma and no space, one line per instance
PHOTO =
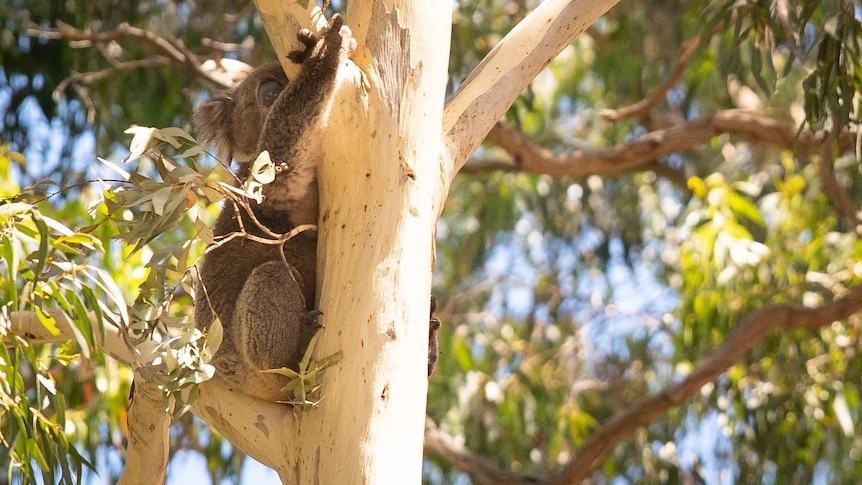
564,299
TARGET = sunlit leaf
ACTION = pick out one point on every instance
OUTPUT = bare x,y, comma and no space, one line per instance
142,141
745,208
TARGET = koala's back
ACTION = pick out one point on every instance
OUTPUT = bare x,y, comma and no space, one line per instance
226,268
265,323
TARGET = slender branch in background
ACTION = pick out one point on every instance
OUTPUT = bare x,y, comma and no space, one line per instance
242,48
646,105
836,194
77,80
84,95
643,152
749,333
89,77
174,50
481,470
171,52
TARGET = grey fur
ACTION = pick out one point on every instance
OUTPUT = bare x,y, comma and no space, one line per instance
265,306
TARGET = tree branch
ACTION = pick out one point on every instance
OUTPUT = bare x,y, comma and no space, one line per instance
838,197
647,104
147,451
511,65
749,333
170,53
148,421
641,153
111,341
256,427
258,433
481,470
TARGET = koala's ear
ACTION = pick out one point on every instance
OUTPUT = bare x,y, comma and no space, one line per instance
213,121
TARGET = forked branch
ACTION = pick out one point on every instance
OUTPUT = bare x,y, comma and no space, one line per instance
511,65
169,51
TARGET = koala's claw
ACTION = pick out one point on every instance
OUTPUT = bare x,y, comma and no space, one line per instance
335,30
311,317
308,39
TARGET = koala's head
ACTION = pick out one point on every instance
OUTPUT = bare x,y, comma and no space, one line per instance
233,120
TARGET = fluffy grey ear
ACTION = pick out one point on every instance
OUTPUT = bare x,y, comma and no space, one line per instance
213,121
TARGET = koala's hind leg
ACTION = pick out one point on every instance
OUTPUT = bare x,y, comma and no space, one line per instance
272,327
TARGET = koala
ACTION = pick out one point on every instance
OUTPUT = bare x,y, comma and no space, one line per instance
266,303
264,294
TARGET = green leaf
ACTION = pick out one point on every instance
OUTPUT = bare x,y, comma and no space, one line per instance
172,135
698,188
44,238
215,335
161,198
47,321
745,208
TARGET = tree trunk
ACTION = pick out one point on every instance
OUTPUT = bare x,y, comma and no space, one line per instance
379,189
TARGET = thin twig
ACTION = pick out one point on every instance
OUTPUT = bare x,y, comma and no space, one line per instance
646,105
245,45
279,240
837,196
78,80
175,52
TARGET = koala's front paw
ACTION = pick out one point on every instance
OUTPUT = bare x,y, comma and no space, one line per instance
336,37
308,39
339,36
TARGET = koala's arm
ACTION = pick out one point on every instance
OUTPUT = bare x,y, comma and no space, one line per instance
306,98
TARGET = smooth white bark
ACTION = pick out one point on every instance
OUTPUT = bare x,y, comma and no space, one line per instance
282,20
378,182
505,72
148,440
112,343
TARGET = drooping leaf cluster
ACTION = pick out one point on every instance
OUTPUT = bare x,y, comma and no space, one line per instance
63,401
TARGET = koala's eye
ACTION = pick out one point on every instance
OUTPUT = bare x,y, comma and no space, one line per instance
268,91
